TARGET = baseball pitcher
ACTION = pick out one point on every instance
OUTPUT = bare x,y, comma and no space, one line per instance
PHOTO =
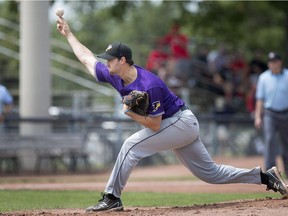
168,124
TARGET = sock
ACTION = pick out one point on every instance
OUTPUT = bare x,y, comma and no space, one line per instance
112,197
264,178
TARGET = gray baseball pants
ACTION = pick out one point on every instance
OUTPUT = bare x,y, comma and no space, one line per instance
179,133
272,123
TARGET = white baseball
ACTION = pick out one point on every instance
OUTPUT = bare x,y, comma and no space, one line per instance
59,12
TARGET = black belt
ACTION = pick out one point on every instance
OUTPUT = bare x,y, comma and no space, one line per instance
276,111
183,108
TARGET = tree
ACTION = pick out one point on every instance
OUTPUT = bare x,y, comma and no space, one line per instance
243,24
283,7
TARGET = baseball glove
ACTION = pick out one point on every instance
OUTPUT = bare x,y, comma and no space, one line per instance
137,101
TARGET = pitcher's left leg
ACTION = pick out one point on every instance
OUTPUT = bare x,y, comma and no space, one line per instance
196,158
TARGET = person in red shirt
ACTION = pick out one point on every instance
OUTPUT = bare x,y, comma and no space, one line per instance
177,42
157,58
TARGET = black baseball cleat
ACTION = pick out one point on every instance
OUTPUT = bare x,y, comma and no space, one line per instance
276,182
106,203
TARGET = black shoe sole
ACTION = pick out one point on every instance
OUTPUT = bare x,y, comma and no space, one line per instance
281,180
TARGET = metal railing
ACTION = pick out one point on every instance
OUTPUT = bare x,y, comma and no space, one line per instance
56,58
231,125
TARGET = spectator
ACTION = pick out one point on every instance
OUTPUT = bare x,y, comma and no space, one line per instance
202,54
6,101
256,67
257,64
238,63
177,43
157,58
223,77
211,57
158,64
271,93
221,59
221,107
178,57
239,68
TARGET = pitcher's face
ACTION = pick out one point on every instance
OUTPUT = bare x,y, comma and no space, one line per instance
114,66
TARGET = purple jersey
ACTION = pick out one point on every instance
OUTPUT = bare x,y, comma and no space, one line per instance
161,100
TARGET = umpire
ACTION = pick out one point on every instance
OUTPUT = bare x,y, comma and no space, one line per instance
272,109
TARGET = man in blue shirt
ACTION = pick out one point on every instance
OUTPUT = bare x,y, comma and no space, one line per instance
272,102
6,101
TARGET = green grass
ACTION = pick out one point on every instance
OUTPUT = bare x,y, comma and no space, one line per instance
15,200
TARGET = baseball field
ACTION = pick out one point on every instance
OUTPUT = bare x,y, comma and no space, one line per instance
157,190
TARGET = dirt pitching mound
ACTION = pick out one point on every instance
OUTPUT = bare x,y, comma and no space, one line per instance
263,207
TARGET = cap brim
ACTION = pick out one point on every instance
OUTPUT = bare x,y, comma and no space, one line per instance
105,56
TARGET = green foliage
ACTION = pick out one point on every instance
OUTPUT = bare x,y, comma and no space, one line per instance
13,200
241,24
244,25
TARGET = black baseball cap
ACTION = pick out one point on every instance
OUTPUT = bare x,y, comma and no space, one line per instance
272,56
116,50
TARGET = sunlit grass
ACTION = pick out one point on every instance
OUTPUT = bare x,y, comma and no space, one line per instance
13,200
